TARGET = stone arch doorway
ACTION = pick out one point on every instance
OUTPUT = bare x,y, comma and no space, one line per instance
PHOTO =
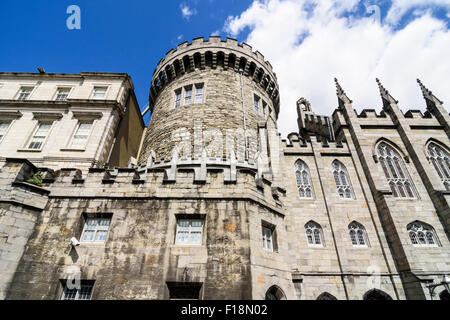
275,293
376,294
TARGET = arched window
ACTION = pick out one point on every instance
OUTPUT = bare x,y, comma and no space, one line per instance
358,235
395,171
303,180
326,296
275,293
422,234
314,234
342,181
440,159
375,294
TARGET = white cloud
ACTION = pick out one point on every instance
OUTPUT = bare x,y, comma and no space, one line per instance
187,12
400,7
355,50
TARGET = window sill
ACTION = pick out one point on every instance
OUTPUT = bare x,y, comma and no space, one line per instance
29,150
73,149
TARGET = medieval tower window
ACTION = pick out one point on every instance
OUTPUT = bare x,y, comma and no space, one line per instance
256,103
188,95
84,292
198,93
422,234
358,235
342,180
177,98
314,234
303,180
395,171
440,159
189,232
269,237
95,229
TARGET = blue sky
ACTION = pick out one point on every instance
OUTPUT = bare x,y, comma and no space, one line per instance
115,36
309,42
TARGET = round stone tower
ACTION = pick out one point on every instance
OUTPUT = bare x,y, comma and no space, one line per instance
212,95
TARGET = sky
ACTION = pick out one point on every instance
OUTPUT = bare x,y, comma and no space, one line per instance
308,43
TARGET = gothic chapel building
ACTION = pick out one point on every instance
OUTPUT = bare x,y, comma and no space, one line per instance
207,201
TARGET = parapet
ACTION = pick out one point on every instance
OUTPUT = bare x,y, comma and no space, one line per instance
212,53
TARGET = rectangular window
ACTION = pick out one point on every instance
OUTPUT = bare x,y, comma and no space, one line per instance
3,128
81,135
39,136
177,98
256,105
199,93
188,96
99,93
84,292
189,231
264,107
62,94
267,234
24,93
95,229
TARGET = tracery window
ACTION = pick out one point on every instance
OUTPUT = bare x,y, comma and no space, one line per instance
358,234
421,234
342,181
395,171
303,179
440,159
314,234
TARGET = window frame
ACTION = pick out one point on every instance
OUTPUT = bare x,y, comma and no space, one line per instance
177,103
273,237
188,88
35,131
106,87
96,229
32,87
90,283
425,229
69,90
395,171
344,187
438,167
9,122
313,226
358,227
190,230
74,133
202,87
304,169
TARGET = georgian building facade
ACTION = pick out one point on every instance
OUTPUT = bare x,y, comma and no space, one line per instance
352,206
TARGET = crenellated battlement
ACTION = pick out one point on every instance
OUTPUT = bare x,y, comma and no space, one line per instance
212,53
158,179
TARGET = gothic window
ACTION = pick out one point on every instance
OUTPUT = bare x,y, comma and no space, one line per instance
303,179
314,234
440,159
275,293
395,171
422,234
342,181
358,235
